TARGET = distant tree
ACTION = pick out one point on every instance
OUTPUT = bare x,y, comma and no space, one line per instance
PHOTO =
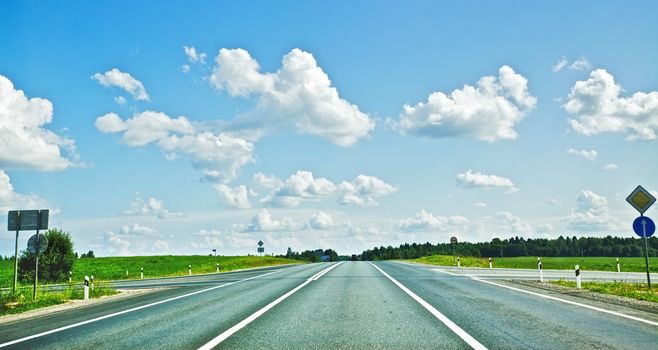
289,252
54,264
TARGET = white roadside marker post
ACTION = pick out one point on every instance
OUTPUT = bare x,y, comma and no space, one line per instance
217,265
126,273
578,276
458,264
141,273
618,267
92,283
490,265
189,270
86,292
70,276
541,273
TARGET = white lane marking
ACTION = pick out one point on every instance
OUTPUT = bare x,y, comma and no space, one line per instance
130,310
446,321
229,332
556,299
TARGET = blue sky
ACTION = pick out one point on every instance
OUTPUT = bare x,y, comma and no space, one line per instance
180,128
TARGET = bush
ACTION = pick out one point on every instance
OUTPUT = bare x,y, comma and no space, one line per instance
54,264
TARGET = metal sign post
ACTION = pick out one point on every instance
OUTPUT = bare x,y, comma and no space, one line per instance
641,200
27,220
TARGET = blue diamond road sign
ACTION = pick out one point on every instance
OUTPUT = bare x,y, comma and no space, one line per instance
644,226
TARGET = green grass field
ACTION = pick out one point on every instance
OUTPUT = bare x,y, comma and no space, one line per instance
114,268
634,264
638,291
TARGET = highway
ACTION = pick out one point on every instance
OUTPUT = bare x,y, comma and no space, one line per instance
349,305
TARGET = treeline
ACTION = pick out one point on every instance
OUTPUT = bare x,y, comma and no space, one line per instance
312,255
515,246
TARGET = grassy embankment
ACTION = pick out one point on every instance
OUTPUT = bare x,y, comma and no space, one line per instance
637,291
114,268
633,264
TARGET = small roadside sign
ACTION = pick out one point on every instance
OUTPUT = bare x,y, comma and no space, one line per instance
641,199
644,226
32,244
30,220
261,250
260,243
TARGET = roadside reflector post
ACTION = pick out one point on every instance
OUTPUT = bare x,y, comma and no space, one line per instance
70,276
490,265
541,273
86,288
189,270
217,265
578,276
126,273
141,273
92,283
458,263
618,267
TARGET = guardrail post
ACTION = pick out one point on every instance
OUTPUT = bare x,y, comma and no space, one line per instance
541,273
578,276
86,291
189,270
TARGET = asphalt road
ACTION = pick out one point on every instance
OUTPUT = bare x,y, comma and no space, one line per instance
351,305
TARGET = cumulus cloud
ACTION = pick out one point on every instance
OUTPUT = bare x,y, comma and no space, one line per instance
596,108
477,179
488,111
234,197
219,156
265,181
589,155
122,80
185,68
263,221
299,95
116,245
150,207
545,228
592,213
24,143
580,64
11,200
303,186
425,221
510,223
136,229
120,100
320,221
480,204
194,56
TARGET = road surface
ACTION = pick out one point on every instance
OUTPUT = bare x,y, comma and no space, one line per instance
350,305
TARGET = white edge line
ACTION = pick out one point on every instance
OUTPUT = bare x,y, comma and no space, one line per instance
453,327
229,332
129,310
556,299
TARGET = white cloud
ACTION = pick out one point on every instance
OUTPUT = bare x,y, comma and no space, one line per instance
219,156
580,64
115,245
561,64
320,221
136,229
471,179
589,155
545,228
480,204
24,143
299,94
234,197
269,182
597,107
487,112
185,68
263,221
10,200
125,81
550,201
303,186
120,100
150,207
194,56
591,214
425,221
510,223
610,167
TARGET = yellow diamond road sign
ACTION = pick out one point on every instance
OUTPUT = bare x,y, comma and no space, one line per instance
641,199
